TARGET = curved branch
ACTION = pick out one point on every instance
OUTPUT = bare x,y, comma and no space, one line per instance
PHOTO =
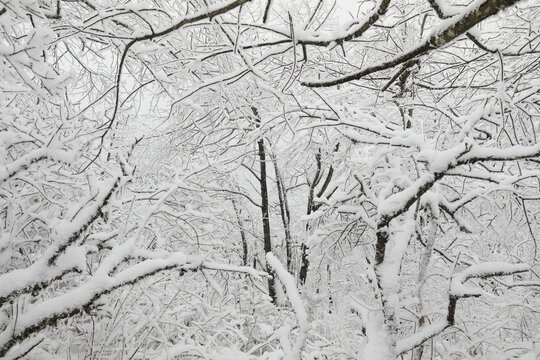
456,292
456,27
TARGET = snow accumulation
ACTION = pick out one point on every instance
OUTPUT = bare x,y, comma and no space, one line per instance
422,161
419,337
73,258
515,152
96,285
487,269
25,161
291,289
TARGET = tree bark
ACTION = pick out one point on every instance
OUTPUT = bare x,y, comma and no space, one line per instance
264,209
285,215
304,248
245,252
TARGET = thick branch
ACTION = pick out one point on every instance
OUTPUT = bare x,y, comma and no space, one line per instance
478,11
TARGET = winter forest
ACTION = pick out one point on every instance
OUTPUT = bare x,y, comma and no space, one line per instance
270,179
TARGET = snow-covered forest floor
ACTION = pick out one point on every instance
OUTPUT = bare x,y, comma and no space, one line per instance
269,179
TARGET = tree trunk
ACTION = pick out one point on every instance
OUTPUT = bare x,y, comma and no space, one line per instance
285,215
264,211
422,273
304,248
242,234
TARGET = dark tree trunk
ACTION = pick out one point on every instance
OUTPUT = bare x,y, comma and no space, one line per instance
285,216
311,207
264,210
304,248
304,265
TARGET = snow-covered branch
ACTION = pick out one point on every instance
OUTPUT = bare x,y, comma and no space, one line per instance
449,30
517,152
22,163
484,270
291,289
457,291
81,298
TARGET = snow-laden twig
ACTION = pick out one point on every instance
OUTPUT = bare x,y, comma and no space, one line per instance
484,270
41,315
418,338
180,350
457,291
22,163
59,258
233,268
23,349
516,152
447,32
208,13
289,283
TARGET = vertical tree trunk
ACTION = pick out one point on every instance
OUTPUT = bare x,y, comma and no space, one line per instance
304,264
264,210
424,263
285,215
313,207
383,236
304,248
329,283
242,234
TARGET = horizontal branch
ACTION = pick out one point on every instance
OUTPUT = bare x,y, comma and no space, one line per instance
517,152
484,270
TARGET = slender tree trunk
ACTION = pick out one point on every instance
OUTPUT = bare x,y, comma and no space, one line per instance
264,210
304,264
385,293
242,234
424,263
329,283
304,248
285,215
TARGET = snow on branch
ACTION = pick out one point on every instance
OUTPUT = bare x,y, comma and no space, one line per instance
355,29
23,349
348,31
75,301
22,163
448,31
516,152
410,342
208,13
79,299
181,350
39,275
289,283
233,268
484,270
59,258
459,290
75,227
439,163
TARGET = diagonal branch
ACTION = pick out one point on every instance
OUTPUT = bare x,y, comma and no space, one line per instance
455,27
456,292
